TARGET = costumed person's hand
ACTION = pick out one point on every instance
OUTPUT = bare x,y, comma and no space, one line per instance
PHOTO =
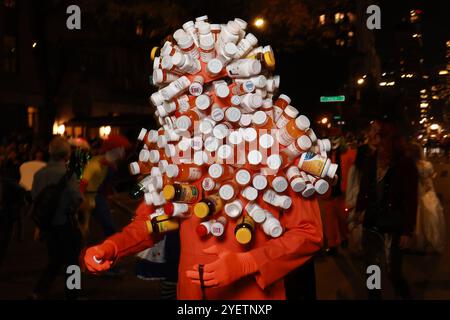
228,268
100,258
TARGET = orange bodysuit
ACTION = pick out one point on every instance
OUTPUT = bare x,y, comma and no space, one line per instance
275,258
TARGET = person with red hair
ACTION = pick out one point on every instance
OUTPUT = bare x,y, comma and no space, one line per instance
96,181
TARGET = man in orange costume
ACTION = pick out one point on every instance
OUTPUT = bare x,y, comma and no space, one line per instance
230,271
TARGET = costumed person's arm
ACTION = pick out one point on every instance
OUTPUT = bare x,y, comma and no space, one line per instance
133,238
276,258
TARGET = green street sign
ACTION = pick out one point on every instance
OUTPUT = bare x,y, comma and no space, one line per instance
332,99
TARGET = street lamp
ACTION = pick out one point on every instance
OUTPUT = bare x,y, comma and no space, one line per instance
259,22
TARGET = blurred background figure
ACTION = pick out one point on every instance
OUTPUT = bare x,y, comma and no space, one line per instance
430,229
97,185
62,236
388,198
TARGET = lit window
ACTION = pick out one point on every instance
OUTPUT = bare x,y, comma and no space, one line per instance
338,17
322,19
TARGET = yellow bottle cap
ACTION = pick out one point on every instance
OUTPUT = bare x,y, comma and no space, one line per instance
169,192
201,210
243,235
269,58
153,53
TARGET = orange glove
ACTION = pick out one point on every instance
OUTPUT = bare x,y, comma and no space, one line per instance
100,258
228,268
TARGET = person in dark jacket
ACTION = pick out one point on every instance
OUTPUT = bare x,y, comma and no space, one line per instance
388,196
63,239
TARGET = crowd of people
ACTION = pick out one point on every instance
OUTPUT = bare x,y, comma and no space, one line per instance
382,204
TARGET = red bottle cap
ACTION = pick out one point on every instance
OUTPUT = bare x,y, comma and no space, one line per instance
169,208
201,230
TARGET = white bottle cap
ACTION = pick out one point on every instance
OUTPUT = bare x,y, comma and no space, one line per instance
257,213
183,123
142,134
156,63
152,136
158,199
222,90
267,104
221,131
200,158
233,114
178,34
285,202
312,135
321,186
226,192
170,150
166,63
254,157
217,228
155,172
154,156
162,165
184,144
169,107
215,27
211,144
266,141
180,209
272,227
298,184
215,170
188,25
134,168
214,66
255,101
276,78
291,111
203,102
235,137
243,177
144,155
197,143
254,67
332,170
250,193
248,86
148,198
304,143
285,98
203,28
242,24
302,123
259,182
162,141
292,172
252,39
156,98
246,120
249,134
230,49
235,100
259,118
201,18
274,162
326,145
185,41
196,89
206,126
157,181
280,184
233,209
217,114
224,152
178,59
172,170
208,184
309,191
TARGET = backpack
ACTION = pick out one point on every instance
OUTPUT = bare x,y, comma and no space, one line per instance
47,202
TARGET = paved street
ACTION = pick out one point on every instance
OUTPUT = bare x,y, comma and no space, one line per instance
338,277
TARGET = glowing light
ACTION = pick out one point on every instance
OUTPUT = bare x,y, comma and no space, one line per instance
324,121
424,105
259,22
61,129
34,44
360,81
105,131
434,126
383,84
443,72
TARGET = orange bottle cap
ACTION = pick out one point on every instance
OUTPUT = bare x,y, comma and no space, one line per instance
243,235
169,192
